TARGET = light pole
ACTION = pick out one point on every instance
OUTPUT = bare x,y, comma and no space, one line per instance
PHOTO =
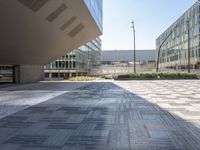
188,27
88,60
133,26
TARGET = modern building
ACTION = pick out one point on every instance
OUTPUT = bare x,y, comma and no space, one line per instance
126,57
174,52
76,63
36,32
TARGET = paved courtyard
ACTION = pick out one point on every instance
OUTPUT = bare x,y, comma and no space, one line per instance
115,115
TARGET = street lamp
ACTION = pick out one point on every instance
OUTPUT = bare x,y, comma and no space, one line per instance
188,28
133,26
88,60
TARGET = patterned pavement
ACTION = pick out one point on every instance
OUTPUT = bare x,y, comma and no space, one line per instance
122,115
14,98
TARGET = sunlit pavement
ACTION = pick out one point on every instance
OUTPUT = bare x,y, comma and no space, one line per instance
14,98
114,115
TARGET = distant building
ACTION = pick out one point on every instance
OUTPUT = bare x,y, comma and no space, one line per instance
121,62
125,57
174,52
76,63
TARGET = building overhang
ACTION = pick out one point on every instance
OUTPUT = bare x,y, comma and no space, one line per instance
39,33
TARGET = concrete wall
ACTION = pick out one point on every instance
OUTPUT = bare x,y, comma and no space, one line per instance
115,70
28,73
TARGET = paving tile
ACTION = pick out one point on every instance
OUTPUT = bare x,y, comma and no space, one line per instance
29,140
123,115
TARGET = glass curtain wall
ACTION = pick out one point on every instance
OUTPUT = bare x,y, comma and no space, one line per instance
96,9
80,60
174,52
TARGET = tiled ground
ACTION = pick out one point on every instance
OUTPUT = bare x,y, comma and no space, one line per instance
137,115
14,98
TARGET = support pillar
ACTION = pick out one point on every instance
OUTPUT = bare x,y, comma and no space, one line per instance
28,73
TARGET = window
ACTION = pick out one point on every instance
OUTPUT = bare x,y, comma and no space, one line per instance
74,64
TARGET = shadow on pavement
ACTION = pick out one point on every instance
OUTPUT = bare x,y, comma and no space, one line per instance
55,86
97,116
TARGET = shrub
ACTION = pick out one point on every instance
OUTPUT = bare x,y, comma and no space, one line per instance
127,76
150,76
82,78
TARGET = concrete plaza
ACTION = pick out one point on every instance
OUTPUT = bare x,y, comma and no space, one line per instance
106,115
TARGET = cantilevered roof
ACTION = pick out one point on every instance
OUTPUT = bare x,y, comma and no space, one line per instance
37,32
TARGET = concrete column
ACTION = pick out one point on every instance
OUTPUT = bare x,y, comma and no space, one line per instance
50,75
16,73
28,73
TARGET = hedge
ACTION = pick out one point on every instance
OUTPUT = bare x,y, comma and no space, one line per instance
156,76
82,78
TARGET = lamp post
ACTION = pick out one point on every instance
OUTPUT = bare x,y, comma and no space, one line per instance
133,26
88,60
188,28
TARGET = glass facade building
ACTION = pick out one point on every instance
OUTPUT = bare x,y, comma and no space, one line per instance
81,60
174,52
78,62
96,9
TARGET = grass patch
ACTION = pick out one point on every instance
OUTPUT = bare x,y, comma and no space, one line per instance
157,76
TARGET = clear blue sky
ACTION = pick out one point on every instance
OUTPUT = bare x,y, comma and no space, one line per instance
152,17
